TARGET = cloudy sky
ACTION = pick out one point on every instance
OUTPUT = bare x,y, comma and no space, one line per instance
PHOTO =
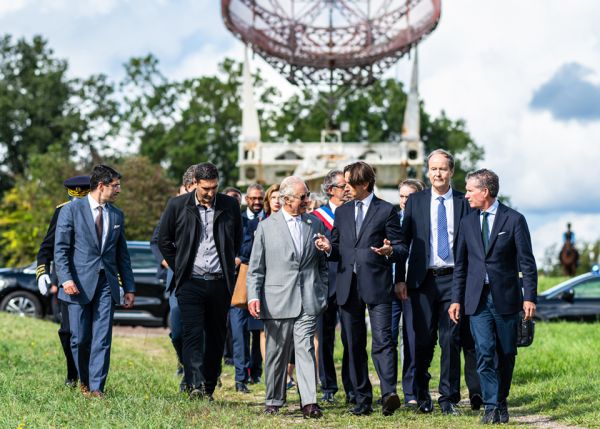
525,75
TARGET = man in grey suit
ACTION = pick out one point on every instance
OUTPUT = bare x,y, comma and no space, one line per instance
287,288
90,254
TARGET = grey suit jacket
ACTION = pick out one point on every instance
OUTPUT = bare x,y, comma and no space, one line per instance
284,282
78,256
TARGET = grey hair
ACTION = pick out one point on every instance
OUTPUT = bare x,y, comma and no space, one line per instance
257,186
188,177
416,184
329,181
286,189
486,179
445,153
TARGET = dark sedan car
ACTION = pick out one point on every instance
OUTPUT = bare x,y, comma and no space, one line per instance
19,293
575,299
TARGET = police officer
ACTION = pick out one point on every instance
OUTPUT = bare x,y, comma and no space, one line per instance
77,187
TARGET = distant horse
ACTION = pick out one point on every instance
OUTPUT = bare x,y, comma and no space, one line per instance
569,258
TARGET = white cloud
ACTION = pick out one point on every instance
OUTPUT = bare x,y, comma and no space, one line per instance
9,6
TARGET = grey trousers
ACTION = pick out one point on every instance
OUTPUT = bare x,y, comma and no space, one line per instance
282,335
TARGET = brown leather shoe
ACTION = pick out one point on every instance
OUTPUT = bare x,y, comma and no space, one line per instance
311,411
84,389
97,394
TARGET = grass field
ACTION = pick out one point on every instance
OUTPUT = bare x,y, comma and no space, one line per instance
557,376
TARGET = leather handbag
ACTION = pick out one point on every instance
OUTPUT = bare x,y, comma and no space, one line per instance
239,298
525,331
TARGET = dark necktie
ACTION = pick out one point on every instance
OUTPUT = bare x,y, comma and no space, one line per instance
485,231
359,216
443,249
99,225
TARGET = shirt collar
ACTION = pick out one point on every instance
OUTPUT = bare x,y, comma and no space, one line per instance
93,203
492,209
435,195
288,217
332,206
251,215
367,201
212,207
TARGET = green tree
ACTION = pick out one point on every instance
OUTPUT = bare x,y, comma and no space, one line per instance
375,113
145,192
26,209
40,107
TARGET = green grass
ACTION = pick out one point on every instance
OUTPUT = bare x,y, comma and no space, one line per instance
557,376
545,283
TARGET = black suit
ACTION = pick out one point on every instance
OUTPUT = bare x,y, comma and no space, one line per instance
494,306
326,324
370,286
430,298
204,303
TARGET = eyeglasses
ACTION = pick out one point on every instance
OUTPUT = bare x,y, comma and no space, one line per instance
339,186
302,197
114,185
254,198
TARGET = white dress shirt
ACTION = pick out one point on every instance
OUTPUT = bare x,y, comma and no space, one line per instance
294,224
94,208
366,203
434,260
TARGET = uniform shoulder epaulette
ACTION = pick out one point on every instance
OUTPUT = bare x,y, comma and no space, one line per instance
60,205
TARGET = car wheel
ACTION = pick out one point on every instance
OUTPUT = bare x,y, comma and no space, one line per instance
22,303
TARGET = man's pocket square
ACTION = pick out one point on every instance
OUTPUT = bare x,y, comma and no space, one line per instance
119,226
503,232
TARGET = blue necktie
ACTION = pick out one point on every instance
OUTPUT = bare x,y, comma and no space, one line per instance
443,249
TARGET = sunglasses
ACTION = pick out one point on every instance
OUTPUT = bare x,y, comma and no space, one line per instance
302,197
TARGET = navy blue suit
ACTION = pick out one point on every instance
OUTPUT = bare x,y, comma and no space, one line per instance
370,286
430,297
94,268
494,307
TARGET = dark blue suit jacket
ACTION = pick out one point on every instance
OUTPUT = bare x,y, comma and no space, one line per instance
79,257
508,253
374,272
416,233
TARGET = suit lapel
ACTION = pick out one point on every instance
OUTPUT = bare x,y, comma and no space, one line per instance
284,231
111,224
499,222
86,212
306,235
476,225
424,212
370,214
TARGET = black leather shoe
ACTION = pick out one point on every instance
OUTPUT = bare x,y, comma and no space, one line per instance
241,387
450,409
476,402
311,411
71,383
199,393
328,397
503,415
490,416
389,404
412,404
361,410
271,410
425,406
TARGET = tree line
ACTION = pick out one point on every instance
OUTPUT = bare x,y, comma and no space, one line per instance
151,128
